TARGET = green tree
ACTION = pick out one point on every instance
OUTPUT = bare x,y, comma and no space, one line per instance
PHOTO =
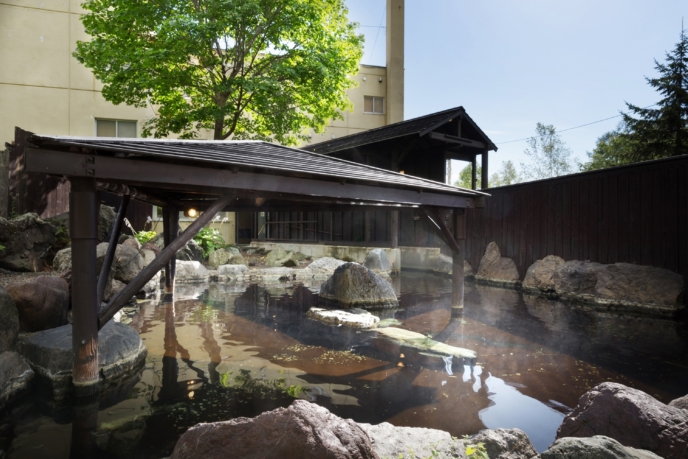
508,175
663,131
612,149
466,177
549,155
246,69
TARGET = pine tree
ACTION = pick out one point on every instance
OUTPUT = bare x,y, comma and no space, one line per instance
663,131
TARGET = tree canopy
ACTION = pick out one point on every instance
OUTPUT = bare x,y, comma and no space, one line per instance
549,155
466,177
508,175
662,131
246,69
613,148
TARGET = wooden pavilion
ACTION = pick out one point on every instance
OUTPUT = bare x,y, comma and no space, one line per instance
212,176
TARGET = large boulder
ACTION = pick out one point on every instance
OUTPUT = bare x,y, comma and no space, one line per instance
121,352
191,252
106,220
15,377
226,256
376,260
626,286
495,269
504,443
127,264
27,242
596,447
413,442
355,286
631,417
354,318
445,265
278,257
320,269
540,276
9,321
232,273
681,403
302,431
42,303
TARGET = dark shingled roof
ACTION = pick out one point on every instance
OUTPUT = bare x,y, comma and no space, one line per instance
251,154
421,126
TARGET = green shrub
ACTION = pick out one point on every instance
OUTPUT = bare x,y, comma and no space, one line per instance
209,239
145,236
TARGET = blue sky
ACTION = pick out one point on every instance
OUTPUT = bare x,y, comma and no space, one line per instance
512,64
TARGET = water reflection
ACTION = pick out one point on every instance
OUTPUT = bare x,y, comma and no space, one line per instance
222,351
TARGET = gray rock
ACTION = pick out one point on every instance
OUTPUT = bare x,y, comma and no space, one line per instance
681,403
131,242
504,443
121,352
355,286
9,321
191,252
354,318
226,256
116,287
302,431
274,256
495,269
631,417
106,219
418,349
540,276
232,273
128,262
376,260
28,241
412,442
15,377
42,303
621,286
191,272
148,256
596,447
324,266
444,265
157,243
150,246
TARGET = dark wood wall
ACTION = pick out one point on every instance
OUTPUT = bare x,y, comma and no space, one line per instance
636,214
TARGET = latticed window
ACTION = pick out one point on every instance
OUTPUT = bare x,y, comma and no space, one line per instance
115,128
374,105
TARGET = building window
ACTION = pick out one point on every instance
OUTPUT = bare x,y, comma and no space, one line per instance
115,128
374,105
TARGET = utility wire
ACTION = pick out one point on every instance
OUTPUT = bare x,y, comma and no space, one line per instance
384,12
572,128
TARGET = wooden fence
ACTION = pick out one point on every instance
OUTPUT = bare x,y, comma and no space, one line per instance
636,214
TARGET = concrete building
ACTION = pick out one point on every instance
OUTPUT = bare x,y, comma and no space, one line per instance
44,89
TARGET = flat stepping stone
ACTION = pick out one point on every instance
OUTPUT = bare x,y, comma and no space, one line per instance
354,318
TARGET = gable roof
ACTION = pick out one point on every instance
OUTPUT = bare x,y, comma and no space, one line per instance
420,126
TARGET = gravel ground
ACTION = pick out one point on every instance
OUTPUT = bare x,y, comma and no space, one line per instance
12,277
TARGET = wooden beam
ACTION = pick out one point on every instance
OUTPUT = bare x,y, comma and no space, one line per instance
436,226
474,171
104,276
122,190
83,231
133,287
184,177
170,224
448,138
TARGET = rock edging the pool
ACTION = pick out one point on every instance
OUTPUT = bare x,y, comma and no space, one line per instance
313,432
618,287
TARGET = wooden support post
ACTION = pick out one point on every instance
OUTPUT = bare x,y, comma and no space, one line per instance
483,179
474,171
83,229
367,226
112,247
457,262
4,183
170,221
169,252
394,230
84,428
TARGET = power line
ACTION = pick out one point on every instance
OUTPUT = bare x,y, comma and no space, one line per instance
378,33
571,128
374,26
